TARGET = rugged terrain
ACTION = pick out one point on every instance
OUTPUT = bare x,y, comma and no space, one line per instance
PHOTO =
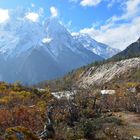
36,51
100,75
96,47
133,50
120,68
100,101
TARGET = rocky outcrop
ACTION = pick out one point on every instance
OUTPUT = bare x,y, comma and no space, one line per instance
19,133
98,75
48,131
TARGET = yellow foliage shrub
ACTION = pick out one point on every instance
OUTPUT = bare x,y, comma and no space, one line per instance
16,133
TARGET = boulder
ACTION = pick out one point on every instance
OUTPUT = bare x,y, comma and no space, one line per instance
19,133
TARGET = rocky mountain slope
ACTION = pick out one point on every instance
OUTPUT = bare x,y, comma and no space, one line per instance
101,49
116,69
31,52
99,75
133,50
123,66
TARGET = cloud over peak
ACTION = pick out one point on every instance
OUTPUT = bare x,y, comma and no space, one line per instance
119,31
32,16
54,11
4,15
90,2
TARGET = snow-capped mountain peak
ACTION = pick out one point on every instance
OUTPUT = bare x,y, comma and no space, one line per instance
96,47
53,25
40,51
19,35
61,38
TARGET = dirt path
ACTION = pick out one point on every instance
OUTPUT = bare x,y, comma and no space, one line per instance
132,122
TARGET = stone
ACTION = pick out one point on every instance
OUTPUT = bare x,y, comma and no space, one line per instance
19,133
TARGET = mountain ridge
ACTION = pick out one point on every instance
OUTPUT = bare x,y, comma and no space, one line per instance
133,50
98,74
31,52
96,47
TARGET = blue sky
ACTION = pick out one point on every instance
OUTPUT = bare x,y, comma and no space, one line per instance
69,11
114,22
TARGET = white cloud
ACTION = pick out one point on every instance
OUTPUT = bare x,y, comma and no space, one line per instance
69,23
32,5
131,9
119,31
32,16
112,2
54,11
90,2
4,15
118,37
46,40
